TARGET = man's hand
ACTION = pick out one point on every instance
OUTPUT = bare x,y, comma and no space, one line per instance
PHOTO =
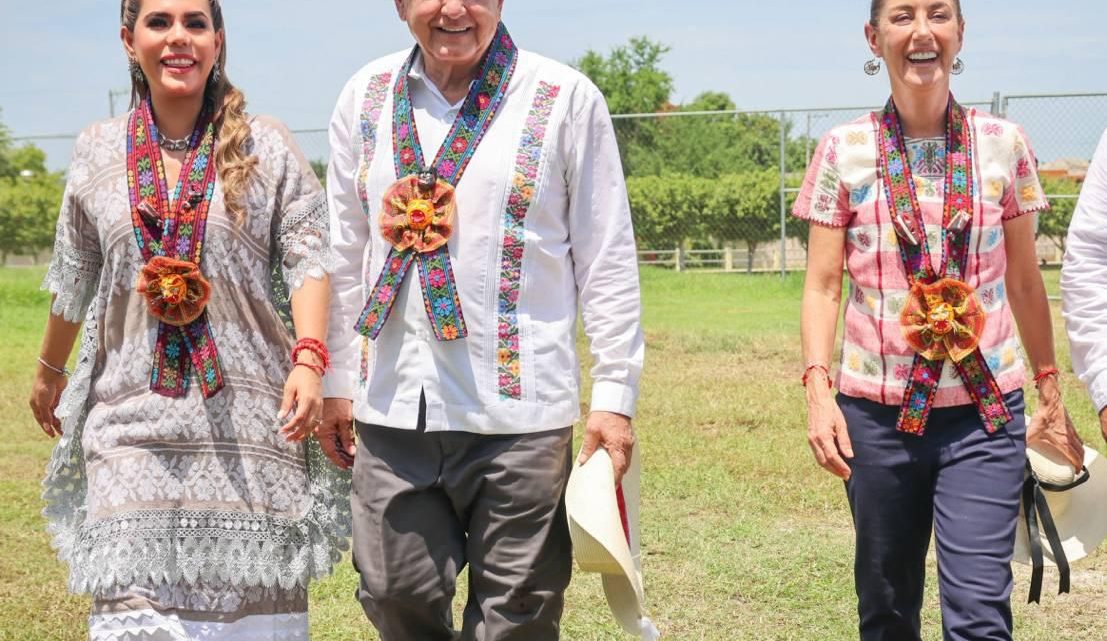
615,434
336,432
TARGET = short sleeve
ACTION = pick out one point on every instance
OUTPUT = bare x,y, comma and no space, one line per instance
1024,194
301,220
824,199
74,273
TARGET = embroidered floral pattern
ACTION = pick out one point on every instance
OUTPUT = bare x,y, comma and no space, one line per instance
824,208
384,293
859,195
371,110
524,184
363,370
927,157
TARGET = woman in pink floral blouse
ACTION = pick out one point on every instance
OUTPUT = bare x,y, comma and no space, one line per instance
932,208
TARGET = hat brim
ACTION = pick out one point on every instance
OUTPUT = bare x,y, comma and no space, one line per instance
599,541
1083,524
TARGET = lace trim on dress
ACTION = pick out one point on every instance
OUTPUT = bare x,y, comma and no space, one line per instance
304,243
73,277
151,625
65,483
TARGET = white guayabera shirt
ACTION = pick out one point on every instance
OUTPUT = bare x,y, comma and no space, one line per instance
1084,280
542,224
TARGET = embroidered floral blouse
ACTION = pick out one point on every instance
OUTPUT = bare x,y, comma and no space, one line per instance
158,493
542,223
843,188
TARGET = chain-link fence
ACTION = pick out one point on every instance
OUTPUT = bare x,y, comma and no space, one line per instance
712,189
716,193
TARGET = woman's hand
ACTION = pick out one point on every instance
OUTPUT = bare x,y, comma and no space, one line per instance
1052,426
826,428
45,394
304,391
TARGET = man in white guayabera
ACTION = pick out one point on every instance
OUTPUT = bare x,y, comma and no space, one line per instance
476,199
1082,280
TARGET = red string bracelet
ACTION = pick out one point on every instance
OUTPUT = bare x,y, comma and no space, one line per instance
315,347
1044,373
315,368
824,368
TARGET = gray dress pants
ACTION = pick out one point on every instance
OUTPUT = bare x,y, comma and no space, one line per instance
425,505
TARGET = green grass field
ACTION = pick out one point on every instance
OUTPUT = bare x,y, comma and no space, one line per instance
744,536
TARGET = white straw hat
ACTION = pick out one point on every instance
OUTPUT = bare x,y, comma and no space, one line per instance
1077,507
603,523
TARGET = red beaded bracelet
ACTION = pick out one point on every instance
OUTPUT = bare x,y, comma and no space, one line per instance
1044,373
824,368
315,347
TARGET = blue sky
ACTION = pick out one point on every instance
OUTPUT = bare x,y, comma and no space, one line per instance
59,58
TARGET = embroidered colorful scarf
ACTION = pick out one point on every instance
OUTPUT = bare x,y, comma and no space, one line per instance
418,210
170,235
943,317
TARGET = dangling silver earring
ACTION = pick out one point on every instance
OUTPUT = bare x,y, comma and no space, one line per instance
136,72
213,79
958,67
872,67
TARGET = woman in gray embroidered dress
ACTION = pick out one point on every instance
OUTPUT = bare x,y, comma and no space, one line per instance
201,516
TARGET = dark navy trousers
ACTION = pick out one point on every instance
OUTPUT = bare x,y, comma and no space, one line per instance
958,480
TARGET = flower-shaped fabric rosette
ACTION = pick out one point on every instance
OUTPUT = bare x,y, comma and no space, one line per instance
175,290
943,319
412,218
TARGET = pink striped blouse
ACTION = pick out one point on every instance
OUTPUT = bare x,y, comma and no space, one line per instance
843,188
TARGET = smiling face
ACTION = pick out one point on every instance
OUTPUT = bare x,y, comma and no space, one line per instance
176,44
919,41
453,33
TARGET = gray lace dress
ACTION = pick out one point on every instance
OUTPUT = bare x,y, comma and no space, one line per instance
190,518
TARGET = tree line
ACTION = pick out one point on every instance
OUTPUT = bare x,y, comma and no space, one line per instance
30,197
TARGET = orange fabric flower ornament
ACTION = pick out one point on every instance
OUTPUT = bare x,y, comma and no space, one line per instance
175,290
943,319
412,218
